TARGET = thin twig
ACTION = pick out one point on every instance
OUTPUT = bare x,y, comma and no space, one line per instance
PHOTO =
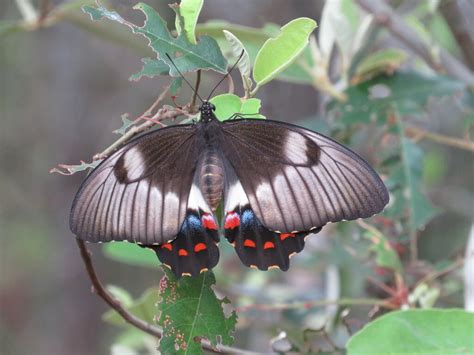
102,292
196,88
439,138
385,16
437,274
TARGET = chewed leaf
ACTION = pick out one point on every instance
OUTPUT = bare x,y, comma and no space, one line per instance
278,53
228,105
244,62
188,309
65,169
151,68
187,56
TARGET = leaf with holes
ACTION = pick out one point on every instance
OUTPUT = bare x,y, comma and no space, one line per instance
188,309
278,53
187,56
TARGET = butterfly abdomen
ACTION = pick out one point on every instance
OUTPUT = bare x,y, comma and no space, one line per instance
211,177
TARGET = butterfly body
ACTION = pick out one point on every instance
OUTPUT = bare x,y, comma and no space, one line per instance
277,183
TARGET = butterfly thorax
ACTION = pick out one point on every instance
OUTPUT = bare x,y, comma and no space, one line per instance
207,112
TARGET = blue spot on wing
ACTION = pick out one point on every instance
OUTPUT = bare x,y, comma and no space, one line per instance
248,218
191,222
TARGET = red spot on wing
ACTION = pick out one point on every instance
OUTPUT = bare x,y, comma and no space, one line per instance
208,221
249,243
232,220
167,246
182,252
283,236
268,245
199,247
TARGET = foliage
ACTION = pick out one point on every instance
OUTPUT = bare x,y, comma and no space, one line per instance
374,93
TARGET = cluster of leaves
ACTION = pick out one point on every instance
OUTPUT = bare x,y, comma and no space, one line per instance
369,92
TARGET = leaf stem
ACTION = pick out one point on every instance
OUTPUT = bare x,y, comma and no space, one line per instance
460,143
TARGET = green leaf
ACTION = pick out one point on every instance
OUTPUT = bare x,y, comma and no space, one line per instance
416,332
278,53
143,307
132,254
189,11
230,104
408,177
204,55
187,56
382,61
189,309
408,91
121,295
244,65
387,257
151,68
253,39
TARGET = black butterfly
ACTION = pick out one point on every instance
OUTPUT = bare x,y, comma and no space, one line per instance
279,183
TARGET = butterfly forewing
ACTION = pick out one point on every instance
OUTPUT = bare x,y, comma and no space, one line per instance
297,180
140,192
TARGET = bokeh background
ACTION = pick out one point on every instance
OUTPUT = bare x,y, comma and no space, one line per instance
63,89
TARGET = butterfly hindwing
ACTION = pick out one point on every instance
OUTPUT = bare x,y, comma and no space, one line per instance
255,244
140,192
296,179
194,249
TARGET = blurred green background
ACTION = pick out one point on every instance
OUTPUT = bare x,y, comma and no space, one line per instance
63,89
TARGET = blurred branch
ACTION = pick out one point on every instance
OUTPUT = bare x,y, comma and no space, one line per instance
437,274
418,133
100,290
385,16
27,10
455,17
319,303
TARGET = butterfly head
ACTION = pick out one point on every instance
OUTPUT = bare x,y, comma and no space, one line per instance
207,111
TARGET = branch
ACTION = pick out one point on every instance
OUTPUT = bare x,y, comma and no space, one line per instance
457,19
385,16
100,290
139,323
418,133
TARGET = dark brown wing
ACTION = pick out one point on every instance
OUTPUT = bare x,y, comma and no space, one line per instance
140,193
296,179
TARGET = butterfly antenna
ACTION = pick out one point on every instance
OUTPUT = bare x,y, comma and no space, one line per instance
182,76
225,76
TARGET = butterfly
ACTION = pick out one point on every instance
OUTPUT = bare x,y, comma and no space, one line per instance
276,182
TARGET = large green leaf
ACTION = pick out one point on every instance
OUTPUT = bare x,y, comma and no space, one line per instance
279,52
187,56
416,332
132,254
409,91
189,309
